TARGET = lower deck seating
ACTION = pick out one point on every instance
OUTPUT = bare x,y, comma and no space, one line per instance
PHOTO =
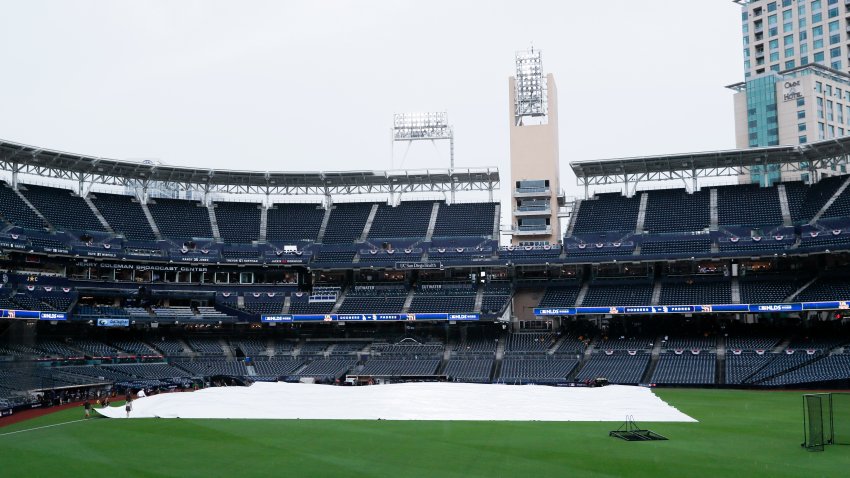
685,368
469,370
619,368
537,369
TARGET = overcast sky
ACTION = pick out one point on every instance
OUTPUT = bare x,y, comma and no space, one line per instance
312,85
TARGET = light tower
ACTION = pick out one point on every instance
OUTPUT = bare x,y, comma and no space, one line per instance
433,126
535,186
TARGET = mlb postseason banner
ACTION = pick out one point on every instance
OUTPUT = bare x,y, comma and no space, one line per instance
696,309
369,317
113,322
32,314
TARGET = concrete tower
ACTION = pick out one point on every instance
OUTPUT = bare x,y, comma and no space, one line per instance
535,185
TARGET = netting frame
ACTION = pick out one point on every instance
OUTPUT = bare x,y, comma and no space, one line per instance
826,420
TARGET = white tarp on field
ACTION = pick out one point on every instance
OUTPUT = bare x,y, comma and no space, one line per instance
409,401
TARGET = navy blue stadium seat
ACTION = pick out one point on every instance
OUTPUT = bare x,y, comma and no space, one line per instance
15,211
675,210
294,222
125,215
62,208
238,223
181,219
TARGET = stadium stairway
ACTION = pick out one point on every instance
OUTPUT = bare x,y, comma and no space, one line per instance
816,358
831,200
432,223
782,346
264,224
500,355
800,290
228,351
582,293
720,369
497,216
250,370
151,222
655,354
715,215
656,293
573,216
479,298
405,308
340,298
736,291
783,206
287,303
583,359
98,215
641,218
36,211
368,226
214,223
324,227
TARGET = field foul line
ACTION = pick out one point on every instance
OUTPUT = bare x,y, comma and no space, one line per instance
41,427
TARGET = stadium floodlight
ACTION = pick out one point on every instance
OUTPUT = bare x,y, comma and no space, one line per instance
530,87
430,126
421,126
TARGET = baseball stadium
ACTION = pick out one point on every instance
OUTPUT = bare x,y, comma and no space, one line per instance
676,314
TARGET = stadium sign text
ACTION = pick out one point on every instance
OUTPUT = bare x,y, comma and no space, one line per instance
418,265
141,267
369,317
695,309
32,315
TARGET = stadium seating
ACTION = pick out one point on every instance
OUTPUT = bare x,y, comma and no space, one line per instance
407,220
346,223
208,368
124,215
561,296
607,212
277,368
689,292
675,210
767,290
748,204
605,295
181,219
15,211
675,245
294,222
469,370
443,297
238,223
327,368
619,367
826,288
536,370
528,343
805,201
471,219
62,208
685,368
382,367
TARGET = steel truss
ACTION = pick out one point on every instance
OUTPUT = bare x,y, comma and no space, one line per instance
19,159
690,167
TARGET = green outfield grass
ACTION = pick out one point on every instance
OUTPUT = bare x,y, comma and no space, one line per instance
740,433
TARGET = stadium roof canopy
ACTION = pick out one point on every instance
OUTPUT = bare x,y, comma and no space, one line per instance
691,166
29,160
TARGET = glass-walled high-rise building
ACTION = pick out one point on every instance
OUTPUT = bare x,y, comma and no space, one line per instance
796,86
